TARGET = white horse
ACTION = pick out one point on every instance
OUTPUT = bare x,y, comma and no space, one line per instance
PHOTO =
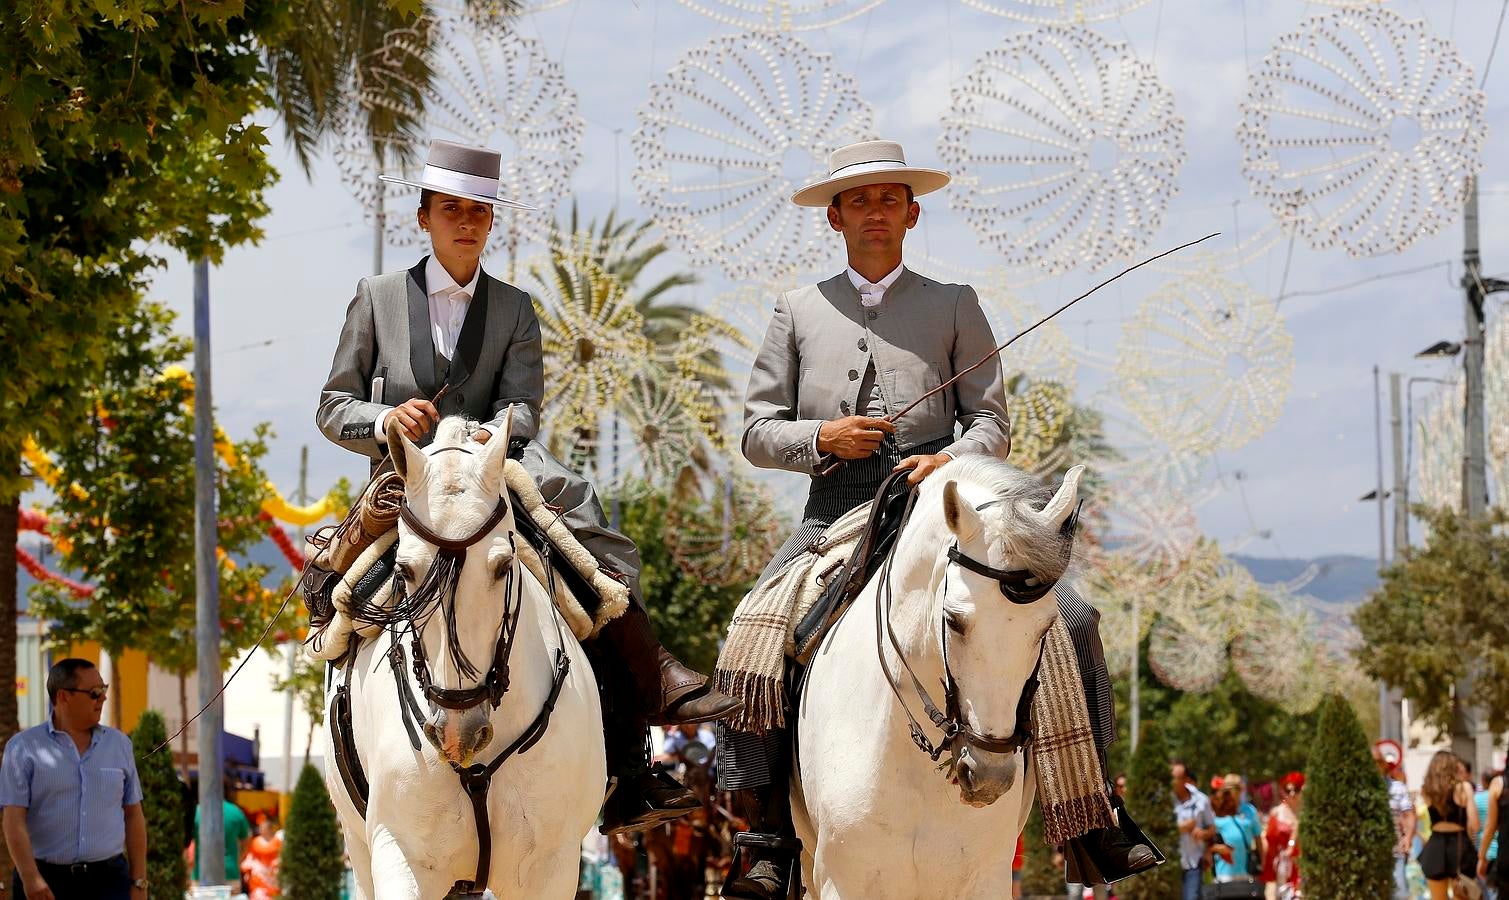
877,817
419,837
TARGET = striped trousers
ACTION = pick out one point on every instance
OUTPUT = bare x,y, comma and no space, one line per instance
746,760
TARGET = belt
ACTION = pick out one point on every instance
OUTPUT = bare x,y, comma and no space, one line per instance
84,868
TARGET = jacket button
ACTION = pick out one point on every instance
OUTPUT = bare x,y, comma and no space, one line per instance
863,345
872,315
843,407
853,374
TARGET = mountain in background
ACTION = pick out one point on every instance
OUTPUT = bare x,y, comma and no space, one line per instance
1338,579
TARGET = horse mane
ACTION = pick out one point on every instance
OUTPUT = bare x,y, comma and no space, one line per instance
1014,496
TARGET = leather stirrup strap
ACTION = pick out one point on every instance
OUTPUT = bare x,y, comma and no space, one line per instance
346,761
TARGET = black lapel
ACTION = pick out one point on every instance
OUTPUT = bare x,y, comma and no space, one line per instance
421,344
469,342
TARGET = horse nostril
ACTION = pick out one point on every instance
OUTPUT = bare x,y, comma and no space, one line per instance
484,736
967,778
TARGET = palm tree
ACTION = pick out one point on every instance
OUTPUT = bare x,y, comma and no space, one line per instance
330,57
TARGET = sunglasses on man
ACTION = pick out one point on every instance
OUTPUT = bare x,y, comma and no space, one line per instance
95,693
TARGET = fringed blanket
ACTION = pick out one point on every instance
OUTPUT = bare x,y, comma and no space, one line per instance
752,664
1070,787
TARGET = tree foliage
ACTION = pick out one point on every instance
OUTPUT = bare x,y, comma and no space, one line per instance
127,512
1150,802
312,865
689,615
1346,829
162,805
1439,617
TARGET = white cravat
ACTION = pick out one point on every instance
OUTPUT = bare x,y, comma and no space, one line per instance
448,305
870,294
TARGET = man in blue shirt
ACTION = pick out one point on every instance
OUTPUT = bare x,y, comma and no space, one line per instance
1197,825
72,802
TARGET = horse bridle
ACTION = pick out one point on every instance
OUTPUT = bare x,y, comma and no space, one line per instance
957,733
477,778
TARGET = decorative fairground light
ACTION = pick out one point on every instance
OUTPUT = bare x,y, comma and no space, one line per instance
490,88
728,135
1363,127
1054,12
1065,150
728,536
781,15
1207,360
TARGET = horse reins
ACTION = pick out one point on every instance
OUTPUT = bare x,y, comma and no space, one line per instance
476,779
957,732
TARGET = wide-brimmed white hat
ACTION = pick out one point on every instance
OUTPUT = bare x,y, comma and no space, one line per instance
869,162
462,171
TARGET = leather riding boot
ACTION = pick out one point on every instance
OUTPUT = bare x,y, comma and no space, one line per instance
1108,855
642,795
666,692
773,846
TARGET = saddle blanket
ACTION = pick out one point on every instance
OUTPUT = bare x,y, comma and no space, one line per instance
354,561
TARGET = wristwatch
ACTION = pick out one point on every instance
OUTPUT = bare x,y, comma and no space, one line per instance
139,883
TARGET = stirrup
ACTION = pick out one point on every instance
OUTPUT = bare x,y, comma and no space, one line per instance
776,845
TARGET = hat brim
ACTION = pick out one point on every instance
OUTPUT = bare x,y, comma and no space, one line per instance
921,181
441,189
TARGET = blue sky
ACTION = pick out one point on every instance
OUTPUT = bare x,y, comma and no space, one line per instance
1300,481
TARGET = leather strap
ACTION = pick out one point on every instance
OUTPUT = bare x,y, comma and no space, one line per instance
346,761
453,544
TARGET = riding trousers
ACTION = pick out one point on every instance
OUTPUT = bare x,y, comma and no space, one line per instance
745,760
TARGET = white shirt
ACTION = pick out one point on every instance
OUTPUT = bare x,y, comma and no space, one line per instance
870,294
448,305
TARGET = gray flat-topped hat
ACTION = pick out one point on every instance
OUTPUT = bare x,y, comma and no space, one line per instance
869,162
463,171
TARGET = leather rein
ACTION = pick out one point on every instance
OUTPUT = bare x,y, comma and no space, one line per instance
956,730
491,687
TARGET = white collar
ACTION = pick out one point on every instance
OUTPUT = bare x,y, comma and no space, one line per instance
437,280
860,282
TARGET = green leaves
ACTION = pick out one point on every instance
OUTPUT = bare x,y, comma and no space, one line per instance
1439,618
162,804
1346,830
311,867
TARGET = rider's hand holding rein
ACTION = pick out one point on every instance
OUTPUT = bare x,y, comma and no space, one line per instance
922,465
852,437
415,416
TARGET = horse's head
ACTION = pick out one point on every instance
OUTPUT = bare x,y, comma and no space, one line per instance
1011,537
455,557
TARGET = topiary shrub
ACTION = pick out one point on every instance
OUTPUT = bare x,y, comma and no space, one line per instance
1151,805
162,805
1346,834
312,865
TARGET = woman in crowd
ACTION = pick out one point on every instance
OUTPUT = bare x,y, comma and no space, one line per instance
260,865
1281,862
1497,874
1233,851
1453,819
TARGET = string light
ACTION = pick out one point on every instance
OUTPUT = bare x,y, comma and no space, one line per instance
1058,12
1364,127
1065,150
1208,361
781,15
490,87
727,538
730,132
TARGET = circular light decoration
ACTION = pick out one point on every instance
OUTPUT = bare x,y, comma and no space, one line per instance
1038,411
1126,597
1206,360
1236,256
728,538
592,339
1054,12
781,15
654,433
490,87
730,132
1146,454
1277,659
1151,525
1363,127
1064,148
1187,658
1439,448
1043,355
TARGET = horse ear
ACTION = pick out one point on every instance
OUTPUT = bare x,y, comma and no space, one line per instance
407,457
495,453
1059,508
961,517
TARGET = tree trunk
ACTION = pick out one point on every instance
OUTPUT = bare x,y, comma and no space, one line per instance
9,724
183,717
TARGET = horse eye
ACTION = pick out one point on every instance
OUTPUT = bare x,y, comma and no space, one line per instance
405,571
502,566
955,622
